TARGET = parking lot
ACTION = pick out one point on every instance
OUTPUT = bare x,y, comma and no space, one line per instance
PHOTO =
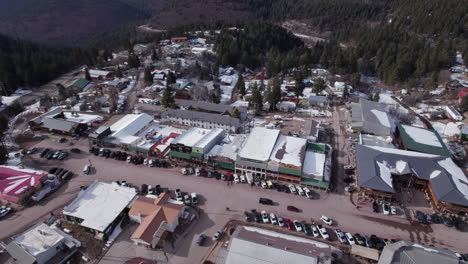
214,197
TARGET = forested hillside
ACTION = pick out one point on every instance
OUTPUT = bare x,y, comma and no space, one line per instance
23,63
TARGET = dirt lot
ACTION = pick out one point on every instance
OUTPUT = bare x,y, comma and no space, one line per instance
215,196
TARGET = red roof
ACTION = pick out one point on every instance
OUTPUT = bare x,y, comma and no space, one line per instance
15,181
463,93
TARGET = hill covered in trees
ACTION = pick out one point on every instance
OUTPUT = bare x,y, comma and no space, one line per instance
23,63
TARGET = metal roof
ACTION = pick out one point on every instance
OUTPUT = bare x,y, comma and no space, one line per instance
210,107
411,143
447,180
201,116
364,115
79,83
410,253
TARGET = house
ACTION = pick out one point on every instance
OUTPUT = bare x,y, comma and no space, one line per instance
42,244
201,119
421,140
61,122
250,245
321,101
409,252
97,136
370,118
254,156
101,207
224,155
438,176
162,147
18,184
79,84
286,106
287,158
156,216
453,113
195,143
124,130
178,39
99,74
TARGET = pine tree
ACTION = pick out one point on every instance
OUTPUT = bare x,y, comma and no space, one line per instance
154,55
257,101
299,85
148,76
62,92
275,97
240,85
167,99
118,73
319,85
171,78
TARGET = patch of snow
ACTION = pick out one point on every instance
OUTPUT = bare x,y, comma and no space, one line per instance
458,176
402,167
385,174
423,136
382,116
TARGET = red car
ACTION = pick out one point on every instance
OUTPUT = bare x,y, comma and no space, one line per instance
289,224
292,208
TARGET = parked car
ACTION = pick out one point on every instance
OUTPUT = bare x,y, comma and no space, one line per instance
306,228
190,170
292,189
393,210
75,150
236,178
273,219
44,153
292,208
31,150
63,155
375,207
263,184
359,239
280,221
368,242
66,176
308,192
297,225
341,236
300,191
53,170
350,238
58,171
5,210
323,232
315,231
129,159
447,221
265,201
242,179
385,209
179,195
421,217
326,220
184,171
194,198
56,154
201,240
87,169
187,199
248,216
217,235
436,219
257,216
265,217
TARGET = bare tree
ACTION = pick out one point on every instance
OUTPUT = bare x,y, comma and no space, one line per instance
113,99
199,92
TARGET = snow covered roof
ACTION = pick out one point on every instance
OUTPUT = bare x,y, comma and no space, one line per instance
289,150
129,125
213,134
39,238
422,140
100,204
405,251
191,137
230,149
371,117
14,181
376,165
260,144
314,164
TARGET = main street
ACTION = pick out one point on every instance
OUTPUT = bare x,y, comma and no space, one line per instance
215,196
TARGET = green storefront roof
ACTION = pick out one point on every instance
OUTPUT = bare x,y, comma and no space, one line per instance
411,144
79,83
314,182
318,147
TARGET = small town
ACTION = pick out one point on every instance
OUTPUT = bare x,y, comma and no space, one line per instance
183,149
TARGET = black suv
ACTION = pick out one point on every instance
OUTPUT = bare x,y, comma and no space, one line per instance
265,201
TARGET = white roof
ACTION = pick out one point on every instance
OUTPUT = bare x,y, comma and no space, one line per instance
81,118
260,143
458,176
39,239
385,174
100,204
314,163
98,72
289,150
191,136
422,136
129,125
229,150
212,135
382,117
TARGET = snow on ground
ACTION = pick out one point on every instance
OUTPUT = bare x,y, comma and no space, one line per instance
447,130
239,103
130,86
227,89
8,100
314,112
259,121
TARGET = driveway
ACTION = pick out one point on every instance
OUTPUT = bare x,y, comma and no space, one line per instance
215,196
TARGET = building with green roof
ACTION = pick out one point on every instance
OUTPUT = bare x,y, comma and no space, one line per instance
421,140
79,83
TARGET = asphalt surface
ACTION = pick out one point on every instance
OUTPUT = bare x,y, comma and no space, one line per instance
215,196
